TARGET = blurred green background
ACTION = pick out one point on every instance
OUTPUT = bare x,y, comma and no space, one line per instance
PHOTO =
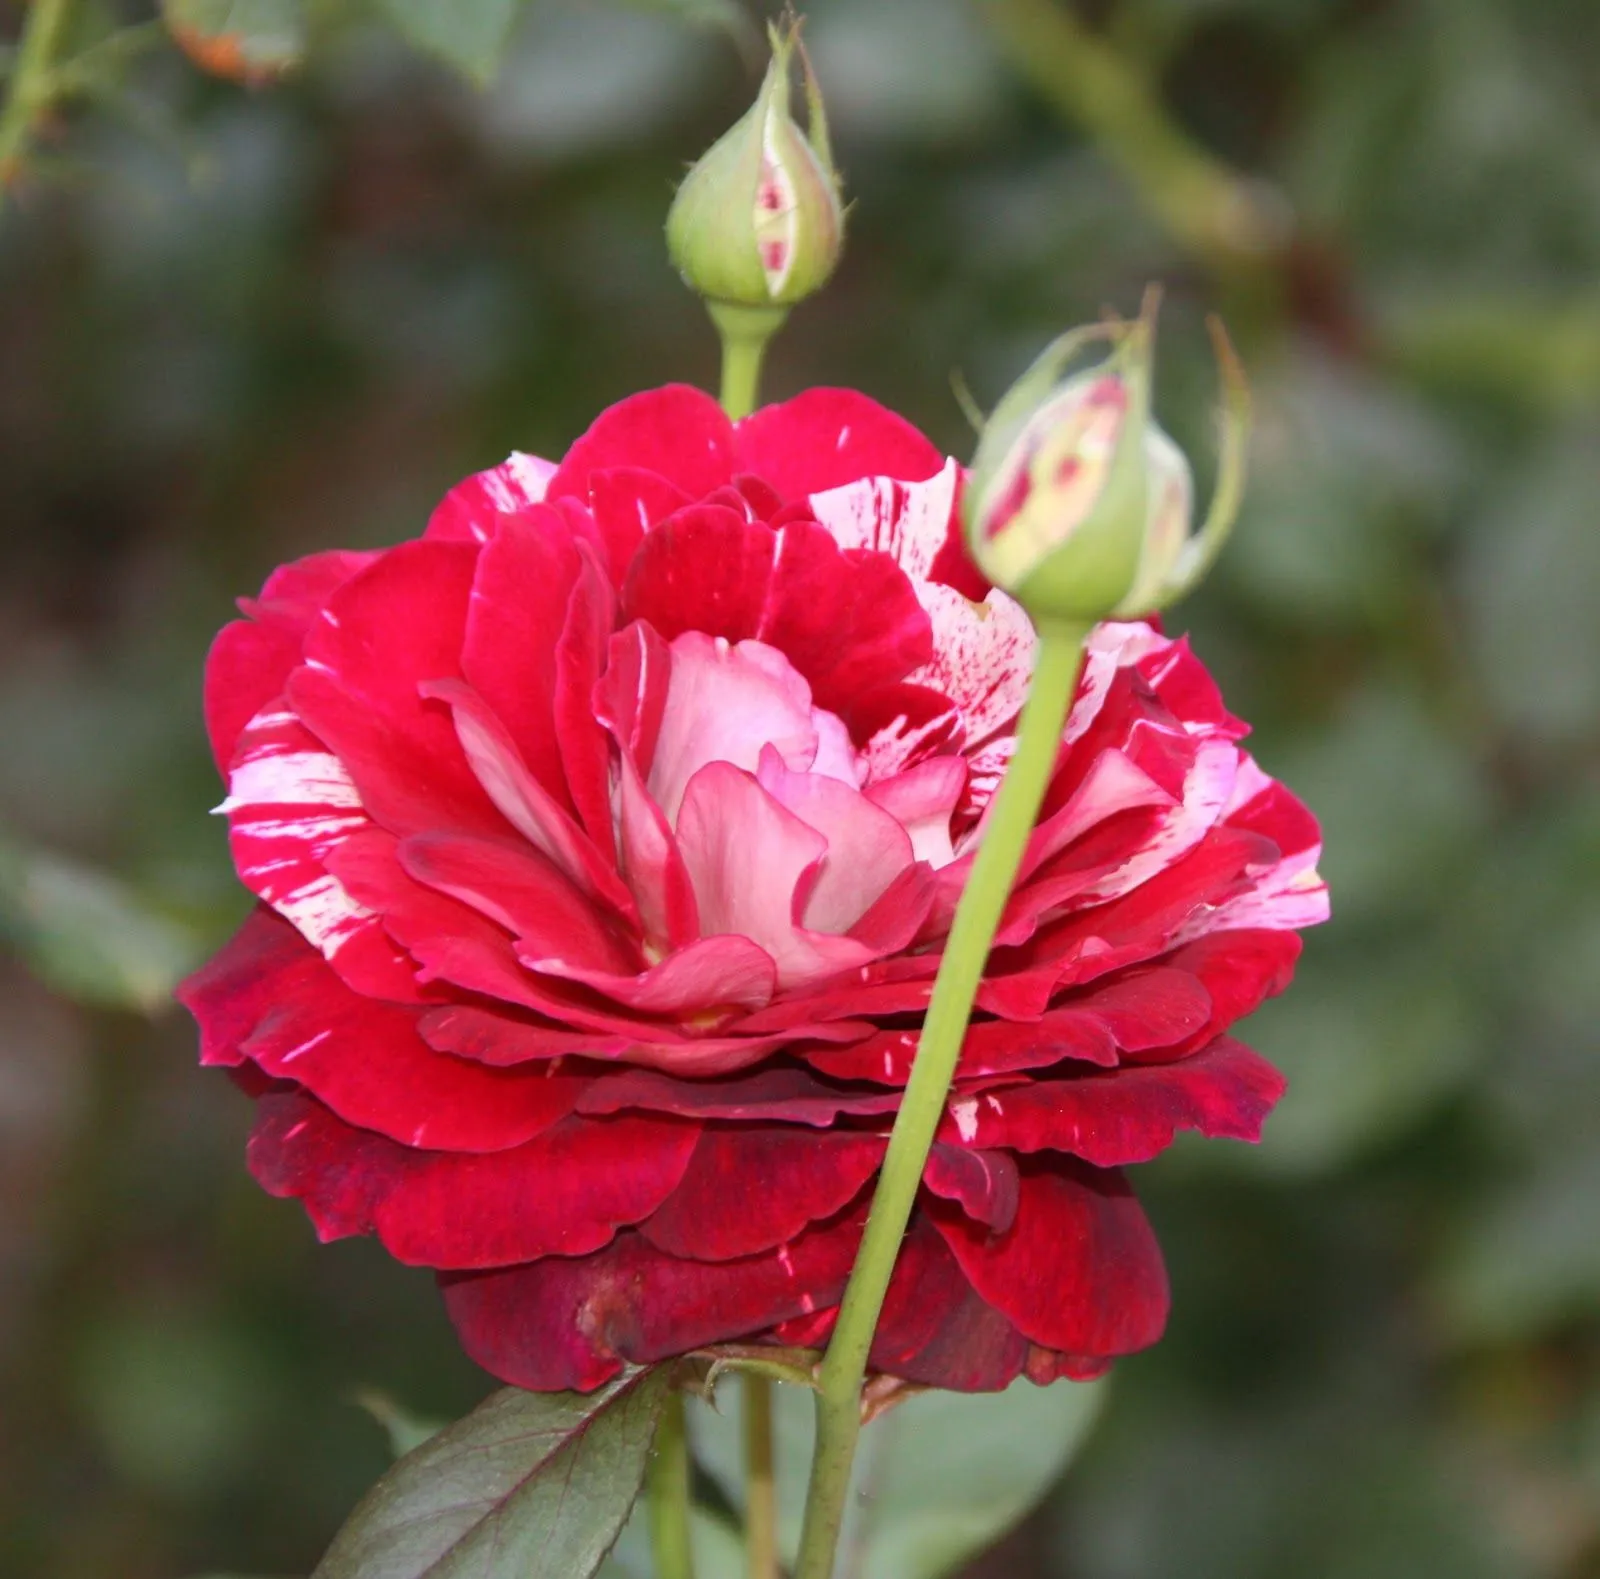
242,326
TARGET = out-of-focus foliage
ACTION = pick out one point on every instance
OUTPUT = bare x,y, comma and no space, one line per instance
295,316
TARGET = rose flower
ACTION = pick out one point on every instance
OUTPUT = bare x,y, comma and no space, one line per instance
605,838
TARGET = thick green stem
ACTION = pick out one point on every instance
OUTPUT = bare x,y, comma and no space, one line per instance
745,332
966,951
31,89
761,1491
667,1491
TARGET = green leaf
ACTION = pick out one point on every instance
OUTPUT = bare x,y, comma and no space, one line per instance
528,1486
467,34
248,40
937,1479
88,935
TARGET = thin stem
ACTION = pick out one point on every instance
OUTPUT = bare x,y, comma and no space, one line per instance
1213,211
745,332
667,1490
761,1491
966,952
31,88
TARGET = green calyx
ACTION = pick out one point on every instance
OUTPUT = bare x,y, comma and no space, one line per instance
758,221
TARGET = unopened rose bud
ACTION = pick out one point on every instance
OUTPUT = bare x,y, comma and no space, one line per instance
758,221
1080,505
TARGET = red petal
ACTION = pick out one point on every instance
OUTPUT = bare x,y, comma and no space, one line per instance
400,623
565,1192
1079,1270
524,580
848,622
1126,1115
245,670
828,437
983,1183
580,661
711,974
1239,971
473,510
290,807
680,433
626,503
575,1322
750,1188
521,890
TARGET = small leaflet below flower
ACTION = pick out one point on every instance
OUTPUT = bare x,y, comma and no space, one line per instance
528,1486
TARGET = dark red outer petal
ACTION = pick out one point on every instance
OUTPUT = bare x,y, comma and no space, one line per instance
269,997
825,438
1078,1271
785,1095
750,1188
1127,1115
983,1183
573,1322
936,1329
680,433
565,1192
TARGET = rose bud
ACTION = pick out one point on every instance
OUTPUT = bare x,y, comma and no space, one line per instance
758,221
1080,505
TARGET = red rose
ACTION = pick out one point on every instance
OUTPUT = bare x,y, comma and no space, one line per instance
606,837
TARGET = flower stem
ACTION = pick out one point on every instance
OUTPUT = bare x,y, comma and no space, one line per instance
761,1491
31,88
977,918
745,332
667,1489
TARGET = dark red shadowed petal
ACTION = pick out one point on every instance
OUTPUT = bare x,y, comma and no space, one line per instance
785,1095
269,997
680,433
572,1323
983,1183
936,1329
749,1188
1078,1271
827,437
1126,1115
565,1192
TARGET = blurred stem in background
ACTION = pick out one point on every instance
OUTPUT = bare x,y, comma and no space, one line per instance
32,86
667,1494
1239,227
